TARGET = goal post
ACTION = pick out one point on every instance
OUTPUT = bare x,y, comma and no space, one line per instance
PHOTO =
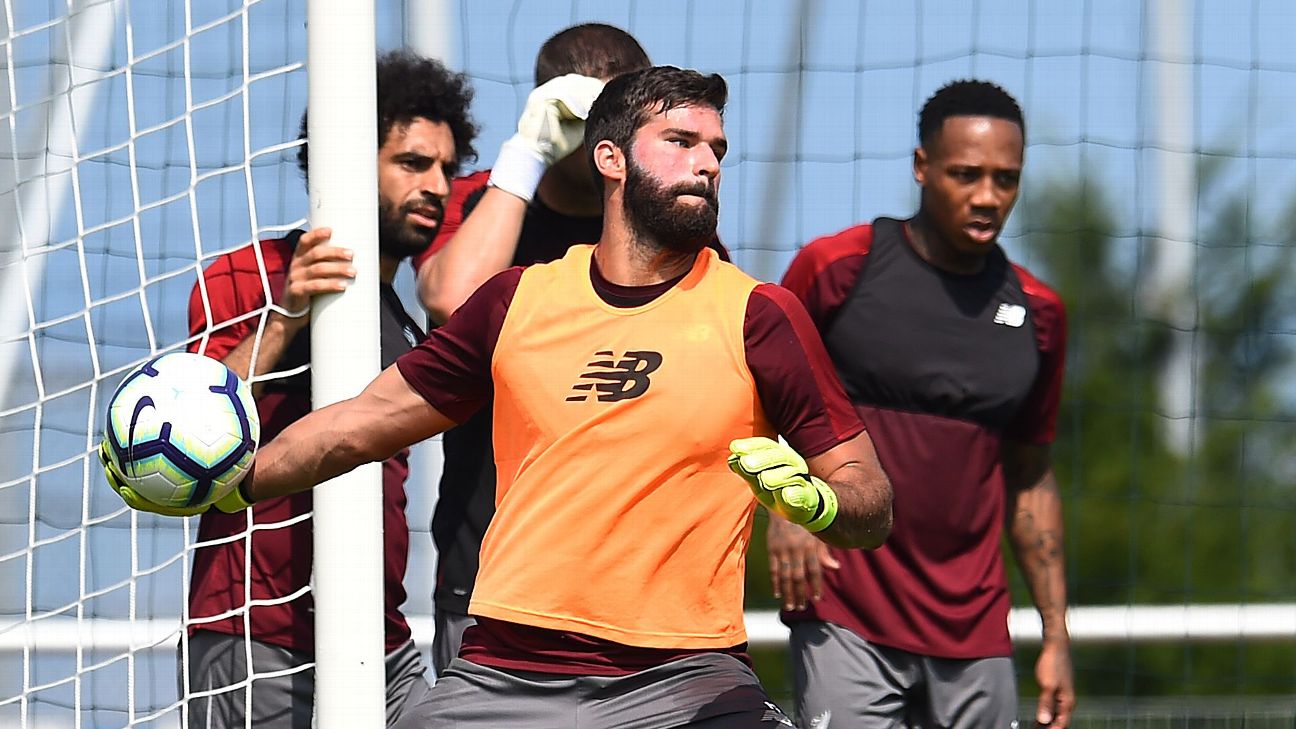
348,522
142,139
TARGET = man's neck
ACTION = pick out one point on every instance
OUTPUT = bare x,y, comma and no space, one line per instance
625,258
932,247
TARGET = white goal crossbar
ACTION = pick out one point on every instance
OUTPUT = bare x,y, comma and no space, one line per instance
1092,624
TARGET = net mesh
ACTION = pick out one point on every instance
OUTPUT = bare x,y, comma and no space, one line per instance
141,138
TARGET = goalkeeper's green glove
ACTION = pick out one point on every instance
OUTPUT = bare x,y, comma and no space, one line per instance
782,482
230,503
551,127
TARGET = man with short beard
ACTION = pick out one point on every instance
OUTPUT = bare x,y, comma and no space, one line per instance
424,132
654,212
630,380
539,199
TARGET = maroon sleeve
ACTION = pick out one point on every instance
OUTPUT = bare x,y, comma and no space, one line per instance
451,369
234,287
1037,420
797,384
223,300
824,272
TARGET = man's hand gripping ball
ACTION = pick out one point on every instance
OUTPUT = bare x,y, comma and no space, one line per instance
782,482
230,503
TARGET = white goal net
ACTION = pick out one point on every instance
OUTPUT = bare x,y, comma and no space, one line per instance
140,139
137,141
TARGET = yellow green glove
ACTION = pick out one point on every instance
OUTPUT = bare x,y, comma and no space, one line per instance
230,503
782,482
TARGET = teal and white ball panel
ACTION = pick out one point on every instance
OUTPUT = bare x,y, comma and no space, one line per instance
182,430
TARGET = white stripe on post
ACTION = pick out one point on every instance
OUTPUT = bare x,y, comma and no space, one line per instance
343,184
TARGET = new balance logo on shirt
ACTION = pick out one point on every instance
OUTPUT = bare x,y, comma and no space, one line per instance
1012,315
622,379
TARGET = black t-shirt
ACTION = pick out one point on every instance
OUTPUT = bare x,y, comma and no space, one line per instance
942,369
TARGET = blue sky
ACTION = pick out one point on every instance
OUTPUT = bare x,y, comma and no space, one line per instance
821,122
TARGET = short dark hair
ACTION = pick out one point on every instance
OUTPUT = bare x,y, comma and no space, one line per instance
592,49
411,86
968,97
630,100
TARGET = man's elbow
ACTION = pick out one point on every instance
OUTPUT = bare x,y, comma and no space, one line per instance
439,308
430,294
437,300
356,448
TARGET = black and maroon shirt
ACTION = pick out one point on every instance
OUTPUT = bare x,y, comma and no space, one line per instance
942,368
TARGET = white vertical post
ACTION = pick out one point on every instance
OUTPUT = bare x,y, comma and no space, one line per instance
427,29
1168,290
343,186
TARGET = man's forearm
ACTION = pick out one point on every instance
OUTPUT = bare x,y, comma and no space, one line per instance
372,426
307,453
483,246
1035,532
275,338
863,507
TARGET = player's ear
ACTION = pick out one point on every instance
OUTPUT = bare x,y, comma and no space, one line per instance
609,160
920,165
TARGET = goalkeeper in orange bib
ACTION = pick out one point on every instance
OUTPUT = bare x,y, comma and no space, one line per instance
631,380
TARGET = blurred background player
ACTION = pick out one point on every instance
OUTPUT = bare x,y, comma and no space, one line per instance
539,199
611,576
424,132
953,357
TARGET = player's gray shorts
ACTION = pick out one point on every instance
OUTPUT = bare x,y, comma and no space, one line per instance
218,660
706,691
450,628
842,680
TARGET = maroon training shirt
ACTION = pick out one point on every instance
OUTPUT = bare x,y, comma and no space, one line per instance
941,368
281,557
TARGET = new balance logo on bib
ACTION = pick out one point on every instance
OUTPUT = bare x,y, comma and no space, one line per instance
616,379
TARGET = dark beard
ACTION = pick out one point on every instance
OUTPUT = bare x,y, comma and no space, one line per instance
655,213
399,240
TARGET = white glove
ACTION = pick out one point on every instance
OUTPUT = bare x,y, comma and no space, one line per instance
551,127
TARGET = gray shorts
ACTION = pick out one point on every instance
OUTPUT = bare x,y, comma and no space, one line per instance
842,680
219,661
706,691
448,637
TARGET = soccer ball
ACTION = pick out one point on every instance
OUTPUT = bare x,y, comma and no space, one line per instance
182,430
